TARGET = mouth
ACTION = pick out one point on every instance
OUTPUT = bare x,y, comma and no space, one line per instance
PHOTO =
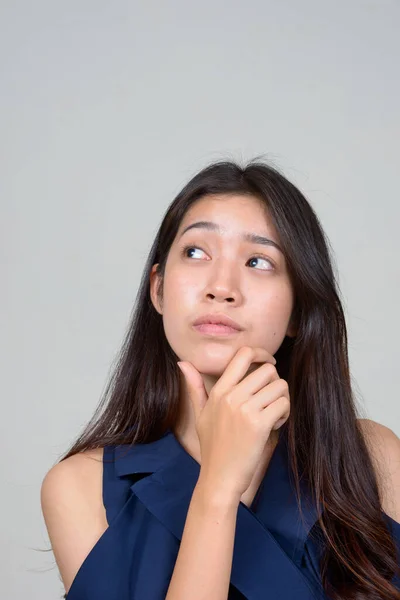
216,323
215,329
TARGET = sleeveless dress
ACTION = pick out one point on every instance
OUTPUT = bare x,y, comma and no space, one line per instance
147,490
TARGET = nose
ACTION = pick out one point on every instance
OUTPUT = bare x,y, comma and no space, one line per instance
223,287
221,297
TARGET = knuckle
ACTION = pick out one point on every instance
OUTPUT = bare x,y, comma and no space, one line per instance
285,403
252,417
257,423
285,385
245,408
269,368
228,398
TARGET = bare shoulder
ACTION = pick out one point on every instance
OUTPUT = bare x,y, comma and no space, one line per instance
72,504
384,447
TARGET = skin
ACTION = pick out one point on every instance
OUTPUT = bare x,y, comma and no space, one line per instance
221,274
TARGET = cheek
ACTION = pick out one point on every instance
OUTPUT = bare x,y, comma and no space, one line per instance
182,292
270,317
180,306
276,306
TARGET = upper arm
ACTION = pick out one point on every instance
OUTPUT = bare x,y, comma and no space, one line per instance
73,510
384,445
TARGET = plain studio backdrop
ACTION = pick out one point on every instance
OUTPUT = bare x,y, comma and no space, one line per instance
107,109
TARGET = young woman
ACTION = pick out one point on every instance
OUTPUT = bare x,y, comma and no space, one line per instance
245,470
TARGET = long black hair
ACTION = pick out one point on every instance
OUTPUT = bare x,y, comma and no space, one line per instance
141,400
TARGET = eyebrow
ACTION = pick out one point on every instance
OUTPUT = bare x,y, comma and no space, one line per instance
246,235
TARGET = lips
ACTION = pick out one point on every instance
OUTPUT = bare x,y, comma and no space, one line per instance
217,319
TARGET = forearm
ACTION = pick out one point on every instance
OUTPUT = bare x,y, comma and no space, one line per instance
204,562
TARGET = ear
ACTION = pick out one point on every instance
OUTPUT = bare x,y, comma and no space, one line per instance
154,285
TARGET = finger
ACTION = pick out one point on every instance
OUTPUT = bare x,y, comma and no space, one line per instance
276,413
239,366
263,376
274,390
195,385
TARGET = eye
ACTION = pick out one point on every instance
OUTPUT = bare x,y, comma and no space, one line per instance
185,249
265,259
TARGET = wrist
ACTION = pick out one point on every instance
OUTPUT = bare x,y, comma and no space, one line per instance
216,494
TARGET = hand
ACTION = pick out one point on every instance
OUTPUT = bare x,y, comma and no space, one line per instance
234,422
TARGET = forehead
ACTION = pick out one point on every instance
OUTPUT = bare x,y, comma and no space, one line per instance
230,209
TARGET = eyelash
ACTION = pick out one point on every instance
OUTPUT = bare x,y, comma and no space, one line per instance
186,248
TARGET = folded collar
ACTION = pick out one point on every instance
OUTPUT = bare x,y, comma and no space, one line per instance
269,536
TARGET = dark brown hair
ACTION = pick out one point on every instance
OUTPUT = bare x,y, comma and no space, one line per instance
141,400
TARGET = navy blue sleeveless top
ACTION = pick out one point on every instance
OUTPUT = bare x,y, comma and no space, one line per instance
147,490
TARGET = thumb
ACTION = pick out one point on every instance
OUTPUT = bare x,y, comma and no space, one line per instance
195,384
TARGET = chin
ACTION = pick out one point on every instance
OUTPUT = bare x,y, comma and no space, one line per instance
211,372
210,360
212,368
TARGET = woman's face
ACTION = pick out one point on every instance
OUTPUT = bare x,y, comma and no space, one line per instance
222,272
